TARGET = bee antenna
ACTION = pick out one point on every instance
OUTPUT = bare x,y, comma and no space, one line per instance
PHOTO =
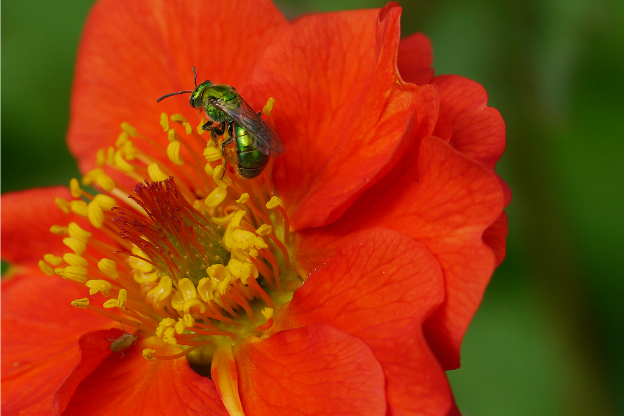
195,77
173,93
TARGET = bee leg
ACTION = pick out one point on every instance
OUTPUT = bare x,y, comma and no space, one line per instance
219,130
207,125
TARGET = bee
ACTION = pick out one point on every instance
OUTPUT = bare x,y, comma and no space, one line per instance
227,111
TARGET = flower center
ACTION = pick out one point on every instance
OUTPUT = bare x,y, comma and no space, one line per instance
199,262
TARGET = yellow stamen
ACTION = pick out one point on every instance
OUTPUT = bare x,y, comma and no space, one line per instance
75,245
211,153
148,354
155,174
78,233
79,207
96,286
95,214
100,157
106,202
264,229
164,121
108,267
46,268
75,273
75,260
274,202
58,230
62,204
52,259
74,187
215,197
121,163
80,303
129,129
173,152
243,198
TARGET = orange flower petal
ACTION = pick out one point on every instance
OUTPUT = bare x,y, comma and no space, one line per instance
317,369
26,220
478,131
94,348
131,385
443,200
133,52
39,352
339,102
415,58
380,287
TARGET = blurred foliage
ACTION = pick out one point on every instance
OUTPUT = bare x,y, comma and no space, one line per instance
547,339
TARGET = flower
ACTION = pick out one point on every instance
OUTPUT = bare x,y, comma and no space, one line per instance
350,293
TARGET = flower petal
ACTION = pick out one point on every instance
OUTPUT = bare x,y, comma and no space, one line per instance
380,287
94,348
39,352
133,52
477,131
415,58
26,220
307,371
131,385
341,109
443,200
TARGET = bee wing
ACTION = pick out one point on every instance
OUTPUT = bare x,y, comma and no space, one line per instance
268,140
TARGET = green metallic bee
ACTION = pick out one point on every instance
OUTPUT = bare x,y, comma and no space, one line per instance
226,110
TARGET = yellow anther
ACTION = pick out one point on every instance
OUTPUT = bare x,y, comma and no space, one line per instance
75,273
58,230
62,204
137,263
110,156
243,198
173,152
172,135
95,214
111,303
109,268
177,301
163,325
141,277
189,321
180,326
75,245
78,206
75,260
46,268
121,163
60,271
169,336
148,354
187,289
122,298
163,290
105,201
243,255
204,289
212,153
200,130
188,129
53,260
177,117
194,303
237,218
217,174
164,121
74,187
274,203
221,287
129,129
268,107
100,157
78,233
80,303
242,239
208,169
219,272
242,270
264,229
267,312
106,182
101,286
122,139
222,220
215,197
155,174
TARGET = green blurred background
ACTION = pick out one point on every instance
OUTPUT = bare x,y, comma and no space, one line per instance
549,337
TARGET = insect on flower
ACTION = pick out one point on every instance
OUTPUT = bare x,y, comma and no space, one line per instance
125,341
227,111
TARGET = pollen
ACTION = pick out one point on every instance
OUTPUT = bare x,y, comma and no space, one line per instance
192,256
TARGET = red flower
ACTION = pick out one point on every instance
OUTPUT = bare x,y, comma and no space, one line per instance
351,299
